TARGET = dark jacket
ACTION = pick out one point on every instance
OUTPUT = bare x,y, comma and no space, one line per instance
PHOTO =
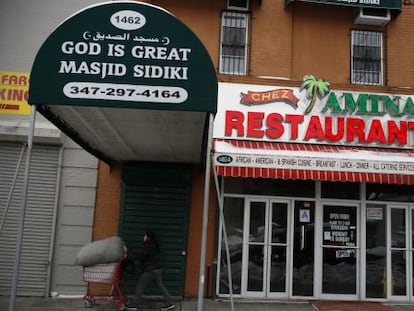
149,257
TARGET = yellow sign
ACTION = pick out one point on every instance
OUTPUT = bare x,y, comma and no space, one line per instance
14,92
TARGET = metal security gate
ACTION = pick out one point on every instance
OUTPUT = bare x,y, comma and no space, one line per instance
39,219
156,197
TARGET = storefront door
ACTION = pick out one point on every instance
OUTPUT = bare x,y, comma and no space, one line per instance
156,197
303,259
401,271
340,251
266,247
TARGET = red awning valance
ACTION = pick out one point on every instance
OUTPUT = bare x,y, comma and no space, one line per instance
238,158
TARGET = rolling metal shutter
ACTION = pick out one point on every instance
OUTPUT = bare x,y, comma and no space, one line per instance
39,217
157,198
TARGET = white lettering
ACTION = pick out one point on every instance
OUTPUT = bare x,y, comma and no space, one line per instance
94,68
81,48
151,52
158,72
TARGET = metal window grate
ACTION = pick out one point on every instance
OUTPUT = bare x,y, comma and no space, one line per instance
233,44
366,57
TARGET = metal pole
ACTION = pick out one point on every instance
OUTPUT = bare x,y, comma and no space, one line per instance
30,135
226,241
205,216
9,198
55,210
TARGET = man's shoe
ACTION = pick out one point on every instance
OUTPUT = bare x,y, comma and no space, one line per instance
168,307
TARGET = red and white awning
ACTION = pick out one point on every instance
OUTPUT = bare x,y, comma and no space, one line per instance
238,158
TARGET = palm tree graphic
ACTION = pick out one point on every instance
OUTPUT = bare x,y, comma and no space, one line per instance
314,87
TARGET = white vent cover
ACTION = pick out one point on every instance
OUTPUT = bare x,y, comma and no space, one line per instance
376,17
238,5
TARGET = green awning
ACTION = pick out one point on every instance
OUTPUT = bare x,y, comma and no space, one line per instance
124,54
373,4
127,81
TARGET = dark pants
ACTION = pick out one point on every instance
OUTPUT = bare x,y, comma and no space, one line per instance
147,277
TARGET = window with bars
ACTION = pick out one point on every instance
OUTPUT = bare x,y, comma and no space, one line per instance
233,43
366,57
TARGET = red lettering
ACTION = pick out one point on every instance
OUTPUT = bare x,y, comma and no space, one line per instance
11,94
255,124
355,127
329,129
4,78
275,128
314,129
23,80
17,94
376,132
294,120
234,121
14,80
395,132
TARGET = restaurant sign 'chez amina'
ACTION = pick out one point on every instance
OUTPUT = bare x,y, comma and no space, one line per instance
314,114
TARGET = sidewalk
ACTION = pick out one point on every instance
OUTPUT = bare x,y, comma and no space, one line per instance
72,304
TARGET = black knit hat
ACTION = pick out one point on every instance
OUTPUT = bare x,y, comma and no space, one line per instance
150,235
152,238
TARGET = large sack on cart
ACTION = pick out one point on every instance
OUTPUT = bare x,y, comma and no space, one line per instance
101,251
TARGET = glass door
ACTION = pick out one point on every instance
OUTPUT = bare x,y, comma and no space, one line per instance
303,249
255,250
340,250
278,249
376,251
411,255
400,253
266,248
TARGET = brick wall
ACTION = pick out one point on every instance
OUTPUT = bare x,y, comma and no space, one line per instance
194,237
107,206
107,209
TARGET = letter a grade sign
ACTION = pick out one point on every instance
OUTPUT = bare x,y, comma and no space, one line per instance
124,54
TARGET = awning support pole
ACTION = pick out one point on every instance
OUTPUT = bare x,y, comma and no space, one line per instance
226,241
205,216
9,198
19,241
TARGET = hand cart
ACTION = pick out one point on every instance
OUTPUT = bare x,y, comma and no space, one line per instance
108,273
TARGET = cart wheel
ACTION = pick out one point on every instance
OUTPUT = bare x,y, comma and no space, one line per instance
88,303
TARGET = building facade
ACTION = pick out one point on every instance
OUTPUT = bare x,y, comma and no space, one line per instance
316,204
62,183
312,150
312,146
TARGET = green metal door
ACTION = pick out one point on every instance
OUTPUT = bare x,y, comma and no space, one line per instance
156,197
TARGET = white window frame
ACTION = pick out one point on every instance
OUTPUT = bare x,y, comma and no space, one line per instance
369,76
237,20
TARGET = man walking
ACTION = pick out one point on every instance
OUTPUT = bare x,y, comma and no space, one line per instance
152,271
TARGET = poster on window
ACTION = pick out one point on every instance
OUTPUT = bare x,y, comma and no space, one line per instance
340,226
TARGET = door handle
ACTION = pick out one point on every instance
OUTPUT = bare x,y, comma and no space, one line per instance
302,237
183,253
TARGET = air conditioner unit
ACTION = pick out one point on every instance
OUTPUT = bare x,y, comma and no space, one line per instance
242,5
376,17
